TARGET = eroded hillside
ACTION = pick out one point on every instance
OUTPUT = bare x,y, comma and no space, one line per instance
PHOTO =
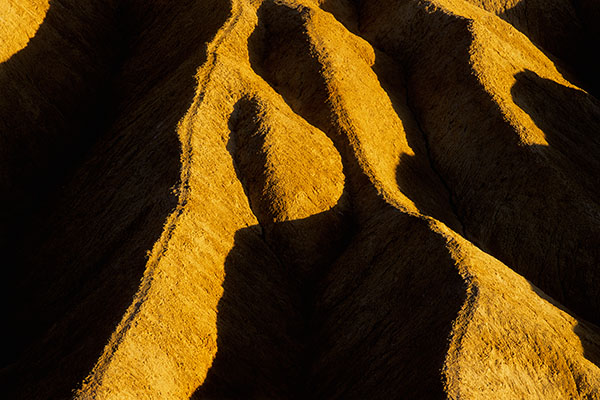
300,199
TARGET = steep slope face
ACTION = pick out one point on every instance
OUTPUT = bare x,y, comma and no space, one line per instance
56,60
564,29
80,262
311,199
524,181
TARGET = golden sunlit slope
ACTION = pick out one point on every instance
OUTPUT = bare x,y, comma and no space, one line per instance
300,199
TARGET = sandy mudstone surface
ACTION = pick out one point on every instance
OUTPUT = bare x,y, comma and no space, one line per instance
300,199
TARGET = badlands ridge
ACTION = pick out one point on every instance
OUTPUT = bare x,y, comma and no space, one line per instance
300,199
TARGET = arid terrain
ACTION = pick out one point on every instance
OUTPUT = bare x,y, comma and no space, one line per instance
300,199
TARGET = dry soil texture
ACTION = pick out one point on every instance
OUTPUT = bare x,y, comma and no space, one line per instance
300,199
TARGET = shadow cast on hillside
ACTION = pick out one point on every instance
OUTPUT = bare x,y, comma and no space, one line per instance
570,120
371,328
49,121
497,181
587,332
572,131
262,324
558,33
416,175
55,104
75,268
378,327
271,274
